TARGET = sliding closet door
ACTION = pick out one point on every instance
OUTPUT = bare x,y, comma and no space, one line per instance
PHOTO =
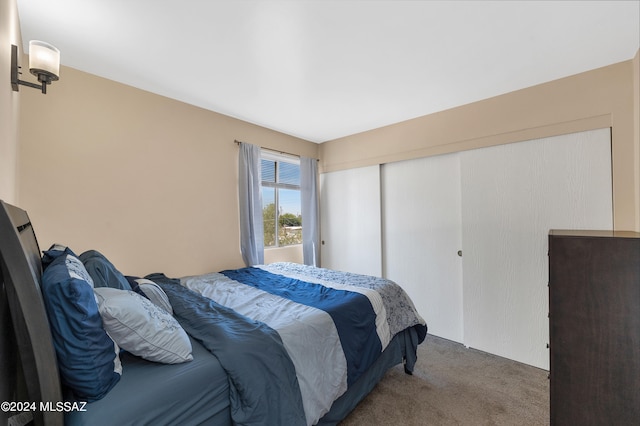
350,220
422,236
511,196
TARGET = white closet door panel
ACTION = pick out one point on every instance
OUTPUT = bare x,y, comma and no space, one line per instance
350,220
422,236
512,196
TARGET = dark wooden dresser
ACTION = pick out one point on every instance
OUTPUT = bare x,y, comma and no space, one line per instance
594,327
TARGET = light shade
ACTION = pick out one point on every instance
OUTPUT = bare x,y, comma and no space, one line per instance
44,61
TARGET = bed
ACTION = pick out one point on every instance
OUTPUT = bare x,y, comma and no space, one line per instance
273,344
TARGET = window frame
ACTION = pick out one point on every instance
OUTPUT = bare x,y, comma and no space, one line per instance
278,158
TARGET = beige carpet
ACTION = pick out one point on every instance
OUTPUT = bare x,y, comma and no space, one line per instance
454,385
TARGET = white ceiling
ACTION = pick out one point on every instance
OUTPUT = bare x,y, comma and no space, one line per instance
320,70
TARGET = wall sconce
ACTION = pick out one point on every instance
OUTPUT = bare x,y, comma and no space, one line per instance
44,63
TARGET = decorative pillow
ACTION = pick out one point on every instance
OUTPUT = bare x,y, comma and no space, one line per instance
155,293
75,269
102,271
87,357
142,328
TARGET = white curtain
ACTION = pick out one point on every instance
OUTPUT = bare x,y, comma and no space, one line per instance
309,200
250,194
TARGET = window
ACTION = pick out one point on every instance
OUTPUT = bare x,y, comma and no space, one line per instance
281,208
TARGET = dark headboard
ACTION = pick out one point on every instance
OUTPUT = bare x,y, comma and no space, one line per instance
21,272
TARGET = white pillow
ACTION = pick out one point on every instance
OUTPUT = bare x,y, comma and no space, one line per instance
155,293
142,328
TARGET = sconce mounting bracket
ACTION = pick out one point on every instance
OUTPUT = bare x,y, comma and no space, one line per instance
15,72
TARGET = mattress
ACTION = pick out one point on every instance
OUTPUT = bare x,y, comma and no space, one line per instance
195,392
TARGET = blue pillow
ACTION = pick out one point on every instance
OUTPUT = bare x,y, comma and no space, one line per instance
88,359
102,271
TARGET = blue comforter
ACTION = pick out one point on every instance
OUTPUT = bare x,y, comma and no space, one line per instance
263,384
351,312
292,338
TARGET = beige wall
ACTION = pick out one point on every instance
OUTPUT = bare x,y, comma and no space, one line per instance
148,181
9,100
605,97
